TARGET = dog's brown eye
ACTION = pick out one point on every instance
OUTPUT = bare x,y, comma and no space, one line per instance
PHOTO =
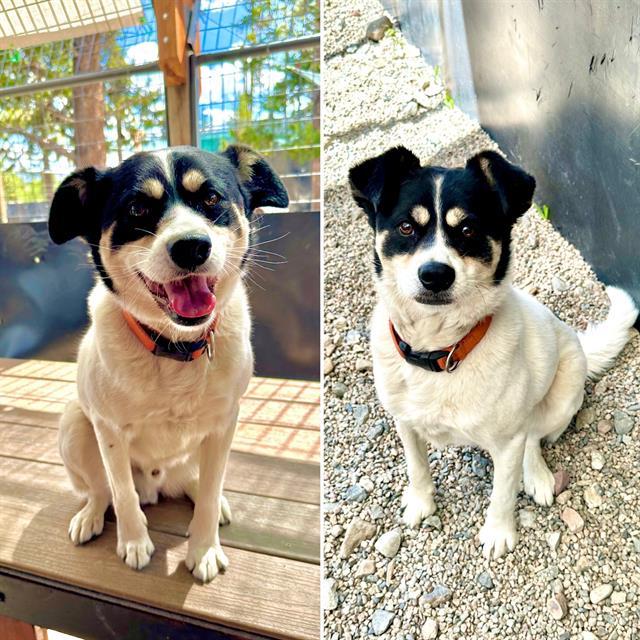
212,199
138,209
405,228
468,232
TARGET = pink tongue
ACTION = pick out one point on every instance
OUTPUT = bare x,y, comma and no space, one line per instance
190,297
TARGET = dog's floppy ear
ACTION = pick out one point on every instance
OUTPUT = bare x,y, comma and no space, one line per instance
73,212
375,183
513,185
264,187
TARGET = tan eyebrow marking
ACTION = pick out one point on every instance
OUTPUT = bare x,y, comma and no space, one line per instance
485,167
420,214
192,180
455,216
153,188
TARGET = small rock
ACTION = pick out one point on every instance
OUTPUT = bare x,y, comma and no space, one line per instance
328,366
593,496
337,530
604,426
618,597
432,522
585,417
572,519
329,594
366,568
376,430
352,337
339,389
561,481
479,465
601,387
559,285
366,483
377,512
389,543
587,635
377,28
356,493
380,621
564,497
485,580
622,422
527,518
600,593
439,595
358,531
583,564
360,413
532,241
557,606
363,365
553,540
429,629
597,460
390,569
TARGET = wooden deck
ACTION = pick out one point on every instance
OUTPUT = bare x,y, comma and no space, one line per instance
271,588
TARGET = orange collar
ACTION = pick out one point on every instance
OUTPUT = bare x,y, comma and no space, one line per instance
158,345
446,359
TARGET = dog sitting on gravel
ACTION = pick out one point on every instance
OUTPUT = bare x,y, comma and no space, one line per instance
168,353
460,356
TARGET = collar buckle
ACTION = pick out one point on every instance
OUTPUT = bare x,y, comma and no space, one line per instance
450,364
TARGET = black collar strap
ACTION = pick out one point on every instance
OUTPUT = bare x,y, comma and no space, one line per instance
158,345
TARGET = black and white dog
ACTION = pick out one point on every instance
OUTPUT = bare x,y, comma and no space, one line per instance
460,356
168,353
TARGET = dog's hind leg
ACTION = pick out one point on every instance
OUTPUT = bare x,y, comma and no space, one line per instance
538,479
417,499
191,491
81,456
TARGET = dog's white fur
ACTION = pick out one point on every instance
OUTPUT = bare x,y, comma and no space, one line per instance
144,425
522,383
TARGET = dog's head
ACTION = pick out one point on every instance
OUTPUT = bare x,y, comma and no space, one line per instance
441,235
169,231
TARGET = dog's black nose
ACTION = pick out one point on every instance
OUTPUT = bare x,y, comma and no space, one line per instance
436,276
191,252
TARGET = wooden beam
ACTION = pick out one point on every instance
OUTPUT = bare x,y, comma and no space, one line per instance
17,630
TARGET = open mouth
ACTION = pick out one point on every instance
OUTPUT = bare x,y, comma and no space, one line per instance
188,300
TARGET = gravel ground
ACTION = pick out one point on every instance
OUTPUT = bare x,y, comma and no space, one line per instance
436,582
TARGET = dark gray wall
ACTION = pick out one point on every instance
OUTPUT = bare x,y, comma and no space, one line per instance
558,87
43,291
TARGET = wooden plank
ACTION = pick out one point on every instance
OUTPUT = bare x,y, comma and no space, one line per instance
264,525
259,593
11,629
246,472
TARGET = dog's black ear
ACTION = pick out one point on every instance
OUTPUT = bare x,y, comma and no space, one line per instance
513,185
375,183
264,187
73,210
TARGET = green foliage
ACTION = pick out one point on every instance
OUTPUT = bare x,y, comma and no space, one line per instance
21,190
543,211
448,99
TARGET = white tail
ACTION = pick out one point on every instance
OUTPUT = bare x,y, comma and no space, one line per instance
602,342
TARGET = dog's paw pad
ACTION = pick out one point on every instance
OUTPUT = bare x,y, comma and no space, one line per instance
497,538
539,484
86,524
225,511
206,562
136,553
418,505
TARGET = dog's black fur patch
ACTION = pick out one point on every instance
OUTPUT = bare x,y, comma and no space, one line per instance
90,201
491,191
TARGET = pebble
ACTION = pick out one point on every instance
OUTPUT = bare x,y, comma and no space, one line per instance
559,285
432,522
328,366
485,580
582,564
380,621
561,481
479,465
339,389
557,606
622,422
618,597
585,418
438,596
527,518
360,413
600,593
365,568
553,539
593,496
356,493
377,28
429,629
358,531
329,594
597,460
363,365
376,430
367,484
604,426
389,543
572,519
564,497
587,635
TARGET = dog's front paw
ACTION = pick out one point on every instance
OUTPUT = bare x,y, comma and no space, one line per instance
205,562
225,511
88,522
137,552
539,484
418,505
498,537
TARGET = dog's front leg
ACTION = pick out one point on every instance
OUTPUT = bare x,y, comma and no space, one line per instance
134,544
418,496
205,555
498,534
